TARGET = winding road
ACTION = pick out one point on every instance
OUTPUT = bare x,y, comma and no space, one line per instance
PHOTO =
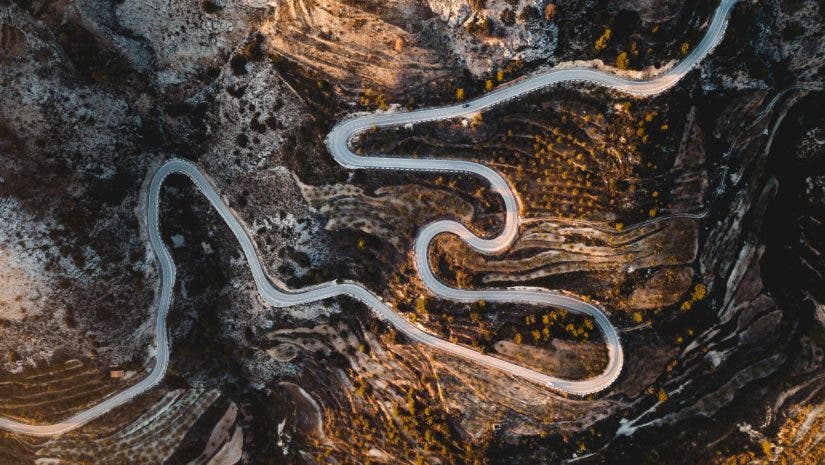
338,141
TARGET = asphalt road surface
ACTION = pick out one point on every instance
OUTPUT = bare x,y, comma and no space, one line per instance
276,294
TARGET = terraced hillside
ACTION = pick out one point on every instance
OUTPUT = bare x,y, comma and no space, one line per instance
149,439
55,391
693,219
612,191
592,156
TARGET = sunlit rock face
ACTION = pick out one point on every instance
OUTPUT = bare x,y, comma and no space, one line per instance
694,218
489,34
387,46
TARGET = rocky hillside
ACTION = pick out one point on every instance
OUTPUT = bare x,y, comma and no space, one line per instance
695,218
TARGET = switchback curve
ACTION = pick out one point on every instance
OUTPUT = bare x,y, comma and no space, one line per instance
338,143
